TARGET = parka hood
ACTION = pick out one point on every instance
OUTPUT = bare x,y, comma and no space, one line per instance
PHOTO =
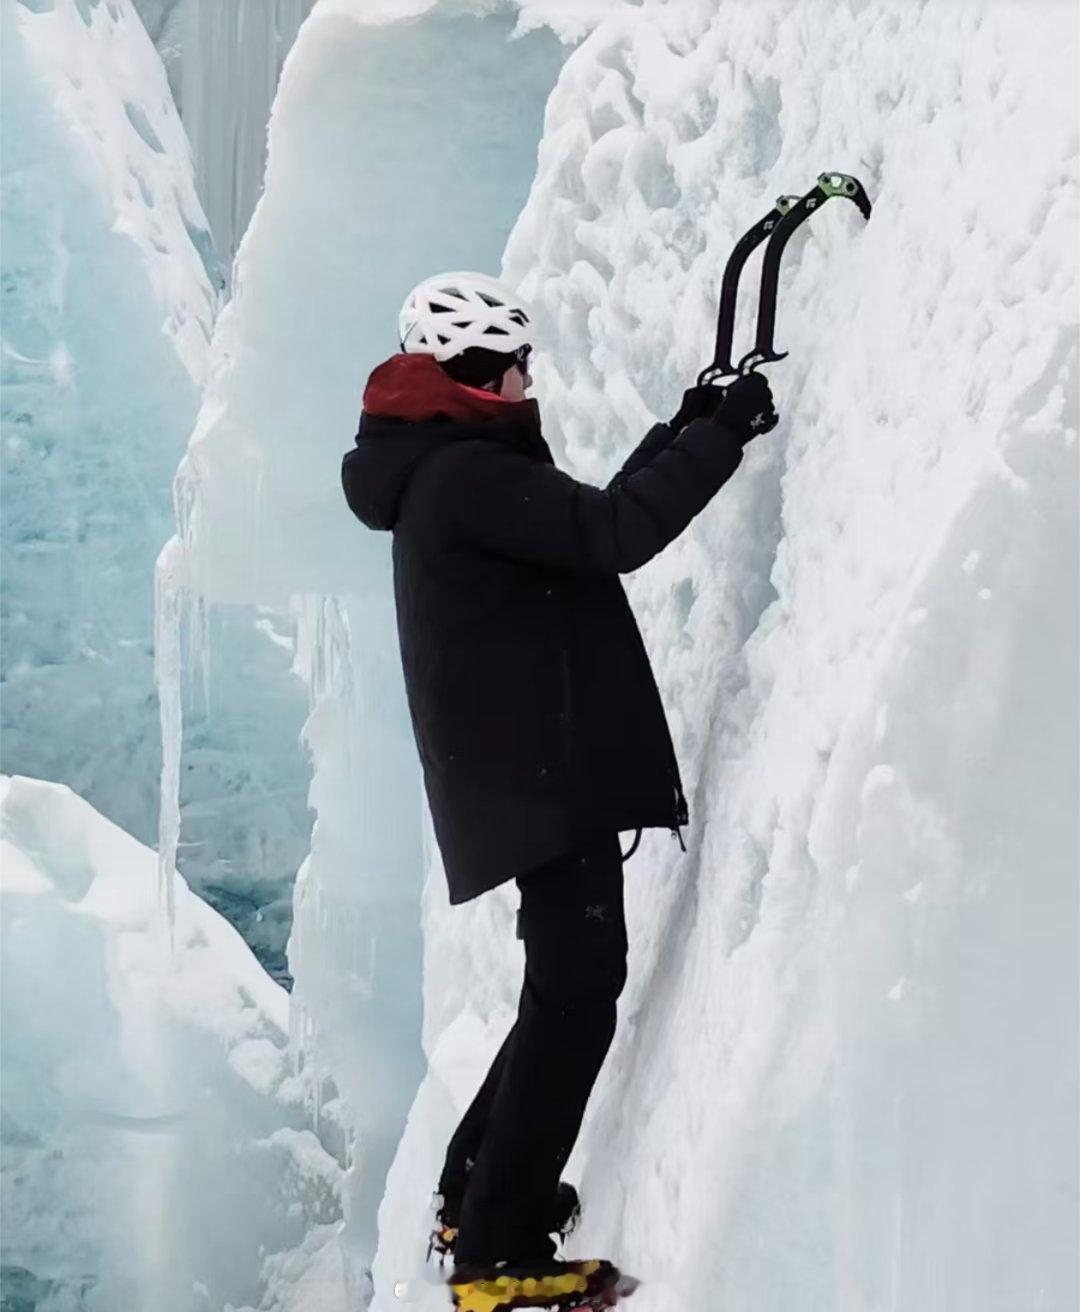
412,409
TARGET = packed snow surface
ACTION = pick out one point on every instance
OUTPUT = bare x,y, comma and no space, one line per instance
156,1151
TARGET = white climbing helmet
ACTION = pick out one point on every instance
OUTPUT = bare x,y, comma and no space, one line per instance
447,314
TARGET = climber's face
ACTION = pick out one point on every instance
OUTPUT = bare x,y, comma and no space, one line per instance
517,378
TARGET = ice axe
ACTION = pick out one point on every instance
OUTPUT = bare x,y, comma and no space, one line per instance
789,213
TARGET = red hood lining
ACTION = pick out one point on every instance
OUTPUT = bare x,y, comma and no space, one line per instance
415,388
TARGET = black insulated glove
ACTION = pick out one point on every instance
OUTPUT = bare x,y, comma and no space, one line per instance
697,403
745,406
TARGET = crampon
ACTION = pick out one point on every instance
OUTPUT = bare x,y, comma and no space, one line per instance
588,1286
566,1212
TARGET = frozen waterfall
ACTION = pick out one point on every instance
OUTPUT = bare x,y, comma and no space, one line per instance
223,59
110,298
108,309
846,1072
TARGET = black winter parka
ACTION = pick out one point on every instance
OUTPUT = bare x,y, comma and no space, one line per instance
533,704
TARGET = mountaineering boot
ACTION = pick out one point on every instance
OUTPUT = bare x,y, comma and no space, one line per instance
564,1217
589,1286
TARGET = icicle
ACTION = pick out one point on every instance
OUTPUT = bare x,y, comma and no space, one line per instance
168,606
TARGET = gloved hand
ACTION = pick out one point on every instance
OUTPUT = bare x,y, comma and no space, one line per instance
745,406
697,403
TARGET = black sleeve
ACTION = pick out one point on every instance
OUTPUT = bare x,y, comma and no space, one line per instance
655,440
504,502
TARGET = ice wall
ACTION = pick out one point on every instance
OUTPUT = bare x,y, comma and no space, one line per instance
846,1071
109,302
107,311
396,149
223,59
156,1153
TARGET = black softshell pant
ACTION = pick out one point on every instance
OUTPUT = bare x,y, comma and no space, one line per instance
504,1161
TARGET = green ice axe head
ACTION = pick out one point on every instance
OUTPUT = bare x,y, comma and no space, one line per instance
843,184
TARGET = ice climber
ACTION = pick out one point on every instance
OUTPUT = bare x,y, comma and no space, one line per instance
538,723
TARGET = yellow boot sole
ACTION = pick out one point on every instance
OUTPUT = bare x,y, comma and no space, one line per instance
501,1293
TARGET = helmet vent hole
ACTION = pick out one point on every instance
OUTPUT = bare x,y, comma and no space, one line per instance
493,301
493,330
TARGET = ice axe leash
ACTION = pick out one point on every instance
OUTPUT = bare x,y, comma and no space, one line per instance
789,213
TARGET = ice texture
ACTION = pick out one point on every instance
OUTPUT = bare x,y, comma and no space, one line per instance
846,1070
156,1148
108,306
107,311
223,59
243,774
395,149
